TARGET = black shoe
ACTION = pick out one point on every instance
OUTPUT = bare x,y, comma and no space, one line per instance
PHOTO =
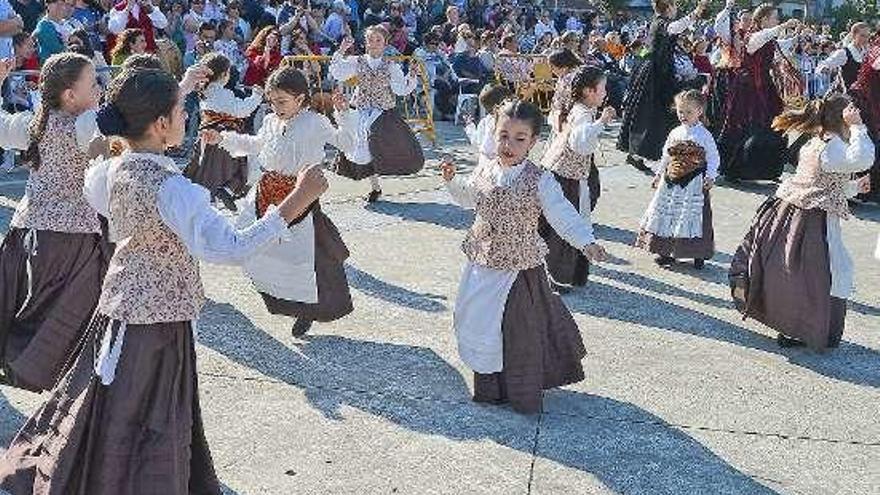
639,164
300,327
226,198
699,263
786,342
373,196
664,260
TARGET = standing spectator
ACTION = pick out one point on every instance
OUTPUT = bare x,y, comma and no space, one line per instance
204,45
291,16
175,29
228,46
545,25
131,42
140,14
10,25
334,26
51,32
450,27
242,28
91,17
30,12
192,21
264,56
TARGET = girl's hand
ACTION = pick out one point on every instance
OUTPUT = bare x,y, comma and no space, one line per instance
791,24
608,115
863,184
196,75
468,119
656,182
447,169
7,65
346,45
852,116
340,102
311,183
211,136
708,183
595,252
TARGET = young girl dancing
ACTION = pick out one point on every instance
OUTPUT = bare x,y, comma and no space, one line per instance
303,274
570,158
126,417
678,222
517,336
792,271
482,135
214,168
386,144
52,259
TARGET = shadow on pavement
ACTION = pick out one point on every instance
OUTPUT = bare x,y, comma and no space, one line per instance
374,287
850,362
628,449
442,214
647,283
11,420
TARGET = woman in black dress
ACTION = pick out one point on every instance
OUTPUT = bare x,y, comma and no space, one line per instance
648,115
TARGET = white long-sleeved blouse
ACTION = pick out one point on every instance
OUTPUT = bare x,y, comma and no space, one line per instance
15,134
186,209
220,99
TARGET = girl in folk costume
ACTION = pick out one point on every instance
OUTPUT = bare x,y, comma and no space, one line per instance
52,259
563,63
792,271
482,135
570,158
302,274
749,148
847,61
214,168
517,335
731,35
386,144
126,418
678,222
647,115
135,14
865,93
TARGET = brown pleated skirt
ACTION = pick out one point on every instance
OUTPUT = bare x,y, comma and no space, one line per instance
542,346
39,333
566,264
781,275
393,147
695,248
214,168
141,435
334,295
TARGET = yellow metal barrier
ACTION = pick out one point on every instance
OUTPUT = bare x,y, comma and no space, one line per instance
529,77
416,108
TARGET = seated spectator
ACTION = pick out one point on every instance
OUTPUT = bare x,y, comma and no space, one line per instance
91,18
465,62
80,42
51,32
241,27
228,46
264,56
334,26
613,45
545,26
488,50
131,41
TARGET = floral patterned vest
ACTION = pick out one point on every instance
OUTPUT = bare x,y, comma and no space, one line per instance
504,235
811,187
152,278
54,198
374,86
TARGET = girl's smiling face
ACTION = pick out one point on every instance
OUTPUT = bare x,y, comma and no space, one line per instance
515,139
688,113
285,105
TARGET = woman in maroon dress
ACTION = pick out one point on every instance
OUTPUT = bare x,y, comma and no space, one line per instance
865,93
749,148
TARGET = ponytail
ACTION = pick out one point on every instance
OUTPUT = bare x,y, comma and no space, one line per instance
818,116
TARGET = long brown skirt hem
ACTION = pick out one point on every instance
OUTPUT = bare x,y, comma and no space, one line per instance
334,294
702,247
140,435
39,334
393,147
542,346
566,264
781,276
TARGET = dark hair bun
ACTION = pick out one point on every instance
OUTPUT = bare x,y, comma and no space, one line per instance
110,120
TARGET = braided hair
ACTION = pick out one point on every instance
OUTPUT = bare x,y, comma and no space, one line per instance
60,73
